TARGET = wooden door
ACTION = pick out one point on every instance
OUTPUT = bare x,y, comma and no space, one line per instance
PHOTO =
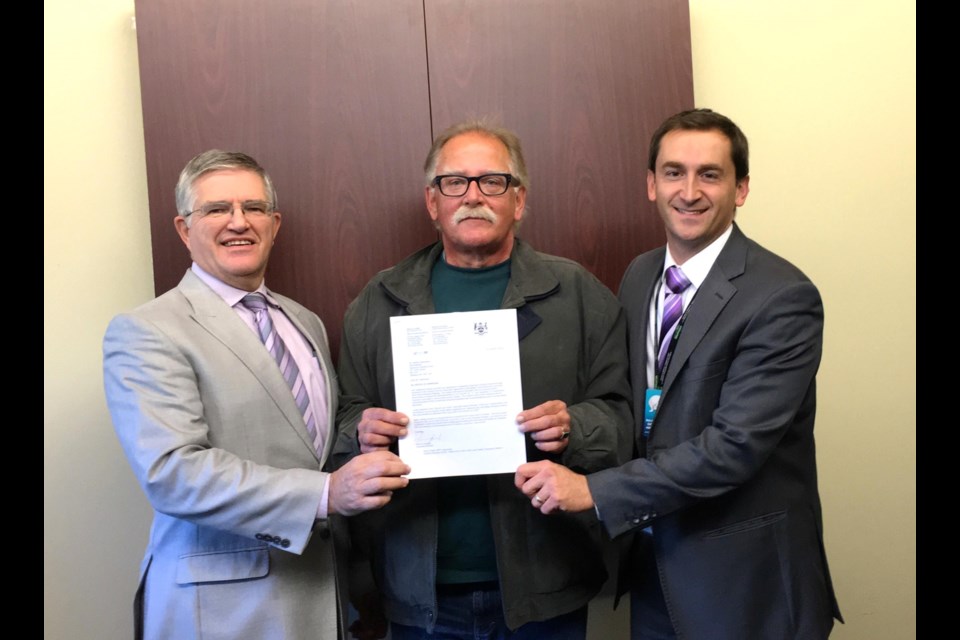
339,100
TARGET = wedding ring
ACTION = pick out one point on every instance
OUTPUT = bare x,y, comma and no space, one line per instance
564,434
537,500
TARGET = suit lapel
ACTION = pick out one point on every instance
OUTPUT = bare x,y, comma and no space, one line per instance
712,296
222,322
640,339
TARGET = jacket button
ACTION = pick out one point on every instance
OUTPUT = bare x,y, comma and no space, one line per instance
636,521
259,536
284,543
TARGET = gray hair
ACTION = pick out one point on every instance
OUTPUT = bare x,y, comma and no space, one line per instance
216,160
518,167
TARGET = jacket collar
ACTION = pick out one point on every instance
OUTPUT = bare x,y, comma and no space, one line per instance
408,283
713,295
218,319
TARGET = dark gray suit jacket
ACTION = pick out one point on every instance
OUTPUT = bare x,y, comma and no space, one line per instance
728,478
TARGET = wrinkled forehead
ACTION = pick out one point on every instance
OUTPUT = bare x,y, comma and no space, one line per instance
229,184
474,152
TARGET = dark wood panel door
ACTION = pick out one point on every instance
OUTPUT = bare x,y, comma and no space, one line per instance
334,98
584,83
329,95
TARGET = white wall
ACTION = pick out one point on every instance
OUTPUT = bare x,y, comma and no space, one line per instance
824,90
96,262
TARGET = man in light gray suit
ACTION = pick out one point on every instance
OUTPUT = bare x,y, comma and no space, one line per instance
223,397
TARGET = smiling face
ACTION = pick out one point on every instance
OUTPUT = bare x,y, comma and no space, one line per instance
477,230
233,248
695,189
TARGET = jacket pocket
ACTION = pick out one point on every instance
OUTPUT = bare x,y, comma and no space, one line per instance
747,525
221,566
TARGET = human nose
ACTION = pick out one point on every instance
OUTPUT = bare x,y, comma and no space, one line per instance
238,219
473,193
690,189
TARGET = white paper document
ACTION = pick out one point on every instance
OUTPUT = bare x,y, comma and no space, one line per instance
457,377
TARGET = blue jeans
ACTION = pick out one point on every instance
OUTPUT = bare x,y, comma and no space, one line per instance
478,615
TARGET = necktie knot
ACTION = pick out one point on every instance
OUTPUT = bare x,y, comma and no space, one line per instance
254,301
676,281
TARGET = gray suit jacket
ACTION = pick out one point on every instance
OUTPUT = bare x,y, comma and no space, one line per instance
728,478
216,441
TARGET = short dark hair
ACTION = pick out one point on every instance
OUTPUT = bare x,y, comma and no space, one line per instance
705,120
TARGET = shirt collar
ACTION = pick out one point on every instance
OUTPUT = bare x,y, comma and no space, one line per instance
231,295
697,267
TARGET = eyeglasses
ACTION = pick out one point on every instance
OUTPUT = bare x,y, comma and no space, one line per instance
490,184
249,208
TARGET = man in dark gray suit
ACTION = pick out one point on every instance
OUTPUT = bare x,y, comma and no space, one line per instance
223,395
725,342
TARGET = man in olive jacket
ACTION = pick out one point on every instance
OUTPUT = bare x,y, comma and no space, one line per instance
451,553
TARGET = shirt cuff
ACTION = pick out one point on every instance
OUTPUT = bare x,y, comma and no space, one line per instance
324,498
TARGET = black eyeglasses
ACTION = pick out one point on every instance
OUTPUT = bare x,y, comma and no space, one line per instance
490,184
249,208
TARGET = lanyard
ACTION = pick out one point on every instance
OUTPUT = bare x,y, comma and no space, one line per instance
660,373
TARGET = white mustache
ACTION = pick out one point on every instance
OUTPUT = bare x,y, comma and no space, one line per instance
482,212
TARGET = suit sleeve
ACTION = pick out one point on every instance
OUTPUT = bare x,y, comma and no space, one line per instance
600,435
767,381
153,389
358,380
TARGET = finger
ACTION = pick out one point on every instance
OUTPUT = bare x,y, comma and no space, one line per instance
381,428
375,441
372,502
381,486
550,505
552,446
536,426
374,414
384,468
547,408
533,486
527,471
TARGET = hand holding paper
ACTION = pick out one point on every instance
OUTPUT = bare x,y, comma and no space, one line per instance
548,424
379,428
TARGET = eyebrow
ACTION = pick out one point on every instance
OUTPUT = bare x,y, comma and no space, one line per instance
704,167
483,172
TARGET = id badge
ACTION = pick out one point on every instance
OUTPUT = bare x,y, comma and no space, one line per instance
650,404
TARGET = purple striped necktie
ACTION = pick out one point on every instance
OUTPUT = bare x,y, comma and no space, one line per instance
257,303
675,282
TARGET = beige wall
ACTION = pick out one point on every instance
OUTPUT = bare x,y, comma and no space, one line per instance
824,90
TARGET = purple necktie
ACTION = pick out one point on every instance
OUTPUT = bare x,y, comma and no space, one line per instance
288,367
675,283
